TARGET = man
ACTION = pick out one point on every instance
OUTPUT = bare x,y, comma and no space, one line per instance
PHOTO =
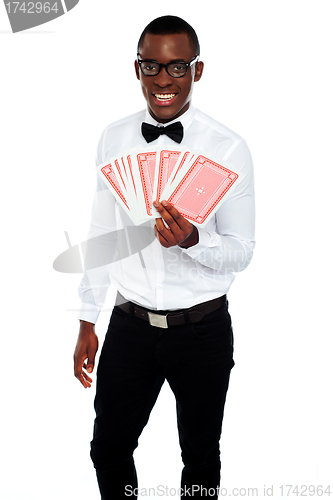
183,276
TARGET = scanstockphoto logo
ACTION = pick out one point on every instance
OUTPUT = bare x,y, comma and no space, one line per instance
25,15
99,250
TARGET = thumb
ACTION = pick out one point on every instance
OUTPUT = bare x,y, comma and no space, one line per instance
91,360
90,365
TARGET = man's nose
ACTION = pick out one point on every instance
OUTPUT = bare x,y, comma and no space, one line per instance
163,79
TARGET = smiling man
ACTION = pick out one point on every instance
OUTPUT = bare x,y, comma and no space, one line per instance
181,279
168,93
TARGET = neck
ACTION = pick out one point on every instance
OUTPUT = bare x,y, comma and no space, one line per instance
167,120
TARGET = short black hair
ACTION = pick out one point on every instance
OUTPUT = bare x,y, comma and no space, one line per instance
171,25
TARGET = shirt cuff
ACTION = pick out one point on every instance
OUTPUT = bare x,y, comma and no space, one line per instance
88,313
206,240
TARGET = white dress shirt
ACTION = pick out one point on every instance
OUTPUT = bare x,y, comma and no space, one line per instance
161,278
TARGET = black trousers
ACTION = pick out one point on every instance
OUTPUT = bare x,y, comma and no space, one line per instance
136,358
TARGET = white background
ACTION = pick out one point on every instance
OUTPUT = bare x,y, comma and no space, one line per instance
268,76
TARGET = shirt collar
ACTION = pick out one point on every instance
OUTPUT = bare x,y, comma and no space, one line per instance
186,119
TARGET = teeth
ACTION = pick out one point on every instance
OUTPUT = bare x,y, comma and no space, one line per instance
164,96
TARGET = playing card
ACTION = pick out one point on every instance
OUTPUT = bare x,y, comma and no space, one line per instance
198,191
131,177
189,180
122,172
181,163
138,213
107,173
166,161
117,176
121,177
183,160
145,163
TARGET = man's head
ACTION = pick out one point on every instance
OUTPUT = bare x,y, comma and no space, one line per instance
165,40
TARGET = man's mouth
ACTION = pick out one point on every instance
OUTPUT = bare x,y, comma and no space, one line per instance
164,98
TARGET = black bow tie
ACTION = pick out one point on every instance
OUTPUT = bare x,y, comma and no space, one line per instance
174,131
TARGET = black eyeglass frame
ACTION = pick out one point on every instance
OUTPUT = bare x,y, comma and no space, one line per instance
160,65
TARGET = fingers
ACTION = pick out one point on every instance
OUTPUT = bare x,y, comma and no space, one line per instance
84,356
171,215
164,234
80,373
85,380
178,230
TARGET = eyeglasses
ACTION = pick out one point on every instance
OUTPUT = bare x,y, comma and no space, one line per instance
175,69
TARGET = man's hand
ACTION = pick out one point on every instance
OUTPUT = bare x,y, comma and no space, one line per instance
180,231
86,348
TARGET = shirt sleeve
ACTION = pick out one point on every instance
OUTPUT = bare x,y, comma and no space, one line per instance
99,251
230,246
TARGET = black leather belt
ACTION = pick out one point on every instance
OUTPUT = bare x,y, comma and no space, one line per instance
164,319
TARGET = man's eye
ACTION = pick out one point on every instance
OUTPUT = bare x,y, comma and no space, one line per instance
178,67
149,67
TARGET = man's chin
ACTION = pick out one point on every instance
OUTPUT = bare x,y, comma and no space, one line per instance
164,114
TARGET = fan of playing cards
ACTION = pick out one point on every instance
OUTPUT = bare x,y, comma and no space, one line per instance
194,184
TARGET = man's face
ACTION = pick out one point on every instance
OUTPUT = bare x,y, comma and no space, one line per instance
168,97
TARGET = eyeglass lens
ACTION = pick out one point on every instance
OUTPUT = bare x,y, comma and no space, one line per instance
152,68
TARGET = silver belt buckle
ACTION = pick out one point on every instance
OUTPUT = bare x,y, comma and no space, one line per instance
157,320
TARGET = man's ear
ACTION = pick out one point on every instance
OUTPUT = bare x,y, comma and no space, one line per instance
137,69
198,71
